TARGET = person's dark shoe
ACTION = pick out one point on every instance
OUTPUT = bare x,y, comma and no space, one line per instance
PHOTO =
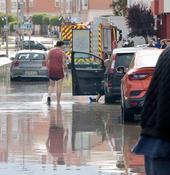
49,101
92,99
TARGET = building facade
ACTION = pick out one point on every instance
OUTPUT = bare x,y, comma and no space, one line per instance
161,10
144,2
85,10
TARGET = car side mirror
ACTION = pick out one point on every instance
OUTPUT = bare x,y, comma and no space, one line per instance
121,69
12,58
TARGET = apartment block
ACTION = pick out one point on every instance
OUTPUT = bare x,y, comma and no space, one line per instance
85,10
161,10
144,2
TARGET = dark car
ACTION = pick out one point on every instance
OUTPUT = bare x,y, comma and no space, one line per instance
89,73
31,45
112,81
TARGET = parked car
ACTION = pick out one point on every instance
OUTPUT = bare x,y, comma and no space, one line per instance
135,82
120,57
29,63
32,45
88,73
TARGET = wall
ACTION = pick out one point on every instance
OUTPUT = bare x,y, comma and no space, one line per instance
100,4
40,6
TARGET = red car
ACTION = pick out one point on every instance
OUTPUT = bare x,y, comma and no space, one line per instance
135,82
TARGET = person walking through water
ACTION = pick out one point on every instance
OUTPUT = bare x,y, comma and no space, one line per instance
56,61
154,140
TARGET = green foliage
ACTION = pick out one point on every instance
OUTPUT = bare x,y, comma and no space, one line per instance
119,7
46,20
2,20
140,20
12,26
11,18
37,19
54,20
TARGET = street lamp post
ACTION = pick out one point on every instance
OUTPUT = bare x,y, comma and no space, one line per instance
6,28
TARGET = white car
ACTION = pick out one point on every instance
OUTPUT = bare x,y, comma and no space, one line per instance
29,64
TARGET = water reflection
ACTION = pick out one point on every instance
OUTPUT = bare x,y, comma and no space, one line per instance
70,137
133,163
87,128
58,136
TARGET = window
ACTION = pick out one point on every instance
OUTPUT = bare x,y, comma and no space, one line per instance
57,3
68,6
14,5
84,4
78,5
2,6
31,3
124,59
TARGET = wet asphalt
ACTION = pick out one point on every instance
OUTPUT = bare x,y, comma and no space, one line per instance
75,138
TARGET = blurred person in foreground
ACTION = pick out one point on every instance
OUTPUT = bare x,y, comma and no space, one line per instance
57,65
154,140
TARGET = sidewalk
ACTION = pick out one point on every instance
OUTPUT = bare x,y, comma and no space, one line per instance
47,41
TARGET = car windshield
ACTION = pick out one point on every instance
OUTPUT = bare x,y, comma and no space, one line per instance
147,60
26,43
123,59
30,56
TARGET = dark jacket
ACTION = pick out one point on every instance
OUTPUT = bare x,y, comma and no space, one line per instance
156,112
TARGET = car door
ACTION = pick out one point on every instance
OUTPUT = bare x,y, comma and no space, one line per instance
87,73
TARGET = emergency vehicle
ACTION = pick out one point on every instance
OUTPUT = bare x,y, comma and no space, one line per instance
102,36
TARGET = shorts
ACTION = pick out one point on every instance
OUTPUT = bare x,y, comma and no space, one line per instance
55,78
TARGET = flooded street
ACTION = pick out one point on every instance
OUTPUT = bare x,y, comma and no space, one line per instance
76,137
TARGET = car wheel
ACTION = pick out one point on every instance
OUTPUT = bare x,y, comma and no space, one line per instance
127,114
12,78
109,99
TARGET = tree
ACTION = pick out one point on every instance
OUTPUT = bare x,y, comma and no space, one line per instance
46,20
119,7
37,19
12,26
140,20
42,20
55,21
11,18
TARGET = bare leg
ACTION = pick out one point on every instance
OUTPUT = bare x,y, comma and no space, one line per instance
59,89
98,97
51,87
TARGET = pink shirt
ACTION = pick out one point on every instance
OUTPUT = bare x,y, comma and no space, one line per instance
56,63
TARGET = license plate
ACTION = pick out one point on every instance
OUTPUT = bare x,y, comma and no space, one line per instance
30,73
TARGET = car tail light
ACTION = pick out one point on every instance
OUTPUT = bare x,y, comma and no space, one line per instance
44,64
16,63
139,76
133,103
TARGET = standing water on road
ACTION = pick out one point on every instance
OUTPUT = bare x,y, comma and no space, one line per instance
76,137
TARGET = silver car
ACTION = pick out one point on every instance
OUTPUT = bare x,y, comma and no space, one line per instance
29,64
